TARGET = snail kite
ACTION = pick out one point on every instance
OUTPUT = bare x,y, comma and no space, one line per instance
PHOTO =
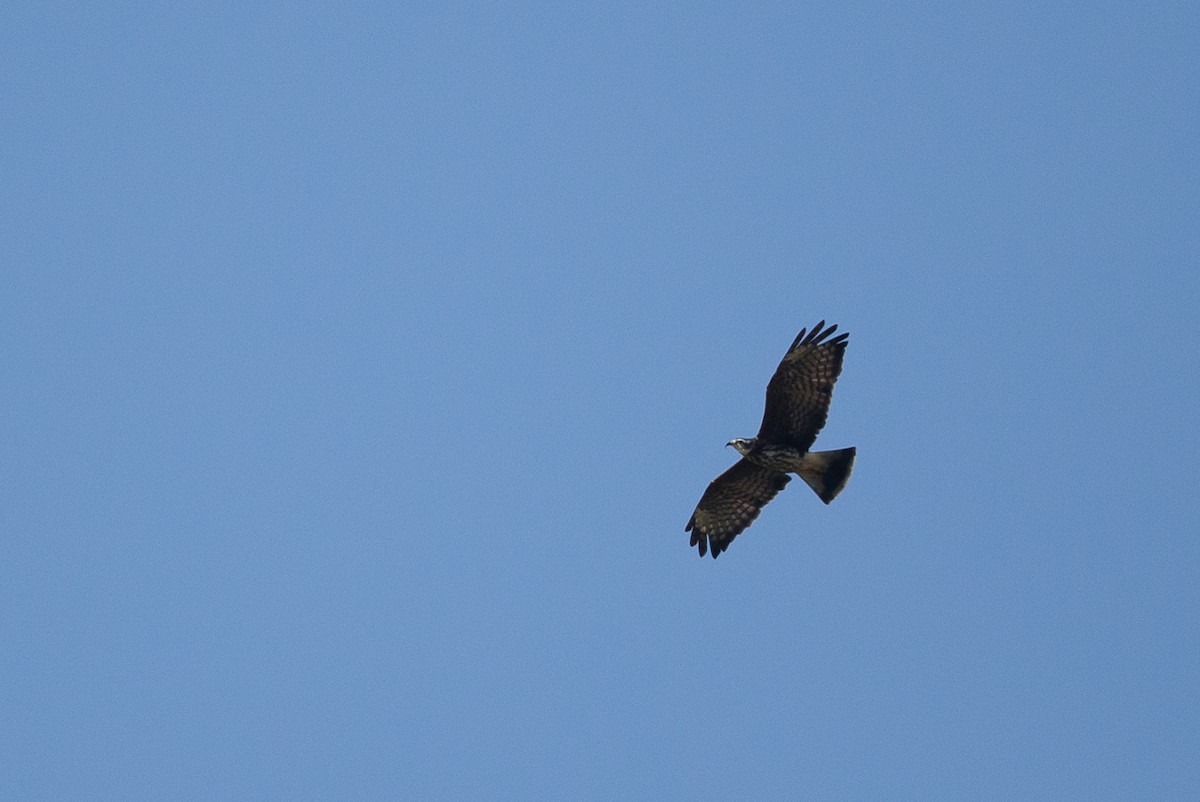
797,404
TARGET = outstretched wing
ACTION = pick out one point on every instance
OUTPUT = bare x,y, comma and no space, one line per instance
731,502
798,394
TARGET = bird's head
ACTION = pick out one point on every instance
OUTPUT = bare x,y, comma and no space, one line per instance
742,444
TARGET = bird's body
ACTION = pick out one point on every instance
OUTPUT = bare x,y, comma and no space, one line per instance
776,456
797,405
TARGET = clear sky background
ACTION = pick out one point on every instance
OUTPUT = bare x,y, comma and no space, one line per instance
362,364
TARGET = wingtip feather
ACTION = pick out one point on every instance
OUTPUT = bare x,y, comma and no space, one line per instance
817,335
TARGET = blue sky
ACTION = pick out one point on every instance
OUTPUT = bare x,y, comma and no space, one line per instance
364,363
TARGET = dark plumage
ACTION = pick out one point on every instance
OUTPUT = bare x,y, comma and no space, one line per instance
798,397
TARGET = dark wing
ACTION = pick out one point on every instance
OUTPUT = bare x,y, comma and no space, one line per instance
731,502
798,394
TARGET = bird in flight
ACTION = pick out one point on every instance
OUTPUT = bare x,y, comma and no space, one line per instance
798,398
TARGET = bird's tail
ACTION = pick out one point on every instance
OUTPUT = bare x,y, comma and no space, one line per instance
827,471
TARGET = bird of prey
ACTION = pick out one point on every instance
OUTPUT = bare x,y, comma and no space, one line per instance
797,404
